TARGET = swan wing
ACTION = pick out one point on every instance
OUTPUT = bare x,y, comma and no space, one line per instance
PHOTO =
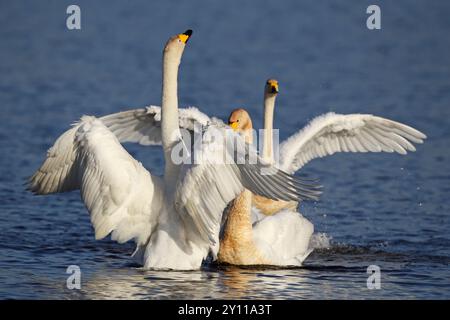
331,133
58,172
219,171
143,125
119,193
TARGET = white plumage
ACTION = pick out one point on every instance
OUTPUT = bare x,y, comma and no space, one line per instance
283,238
143,125
174,220
120,194
124,199
331,133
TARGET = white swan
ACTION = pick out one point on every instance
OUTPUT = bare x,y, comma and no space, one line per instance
280,240
173,220
282,237
326,135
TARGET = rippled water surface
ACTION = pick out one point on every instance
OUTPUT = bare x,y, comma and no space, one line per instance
382,209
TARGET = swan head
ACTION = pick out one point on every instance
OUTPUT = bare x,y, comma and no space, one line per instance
239,120
175,45
271,88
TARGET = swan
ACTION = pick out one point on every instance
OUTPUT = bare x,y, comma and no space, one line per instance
281,237
280,240
264,205
325,135
174,220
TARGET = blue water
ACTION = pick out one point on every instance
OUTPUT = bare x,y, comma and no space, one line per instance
382,209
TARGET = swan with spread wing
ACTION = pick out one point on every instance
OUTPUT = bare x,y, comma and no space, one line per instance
174,220
326,135
281,235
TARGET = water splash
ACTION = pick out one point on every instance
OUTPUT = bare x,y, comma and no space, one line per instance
320,241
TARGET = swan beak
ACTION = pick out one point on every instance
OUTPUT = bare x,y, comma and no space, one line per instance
272,86
233,125
185,36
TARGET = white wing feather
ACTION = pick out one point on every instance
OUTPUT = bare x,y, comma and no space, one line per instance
57,173
143,125
208,185
119,193
331,133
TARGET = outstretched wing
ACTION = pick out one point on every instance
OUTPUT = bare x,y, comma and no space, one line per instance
143,125
331,133
221,167
58,174
119,193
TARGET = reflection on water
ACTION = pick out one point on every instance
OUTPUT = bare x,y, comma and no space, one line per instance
237,282
226,283
331,273
135,284
338,271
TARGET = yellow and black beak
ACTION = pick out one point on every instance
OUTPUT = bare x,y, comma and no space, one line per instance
274,89
234,125
185,36
273,86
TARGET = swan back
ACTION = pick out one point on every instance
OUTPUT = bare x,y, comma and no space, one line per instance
283,238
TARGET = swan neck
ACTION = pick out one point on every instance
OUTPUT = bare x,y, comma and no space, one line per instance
269,107
248,135
237,245
170,133
238,227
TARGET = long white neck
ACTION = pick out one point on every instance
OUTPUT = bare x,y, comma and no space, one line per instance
170,130
269,106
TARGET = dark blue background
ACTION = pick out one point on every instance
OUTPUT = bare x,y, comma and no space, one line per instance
381,209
